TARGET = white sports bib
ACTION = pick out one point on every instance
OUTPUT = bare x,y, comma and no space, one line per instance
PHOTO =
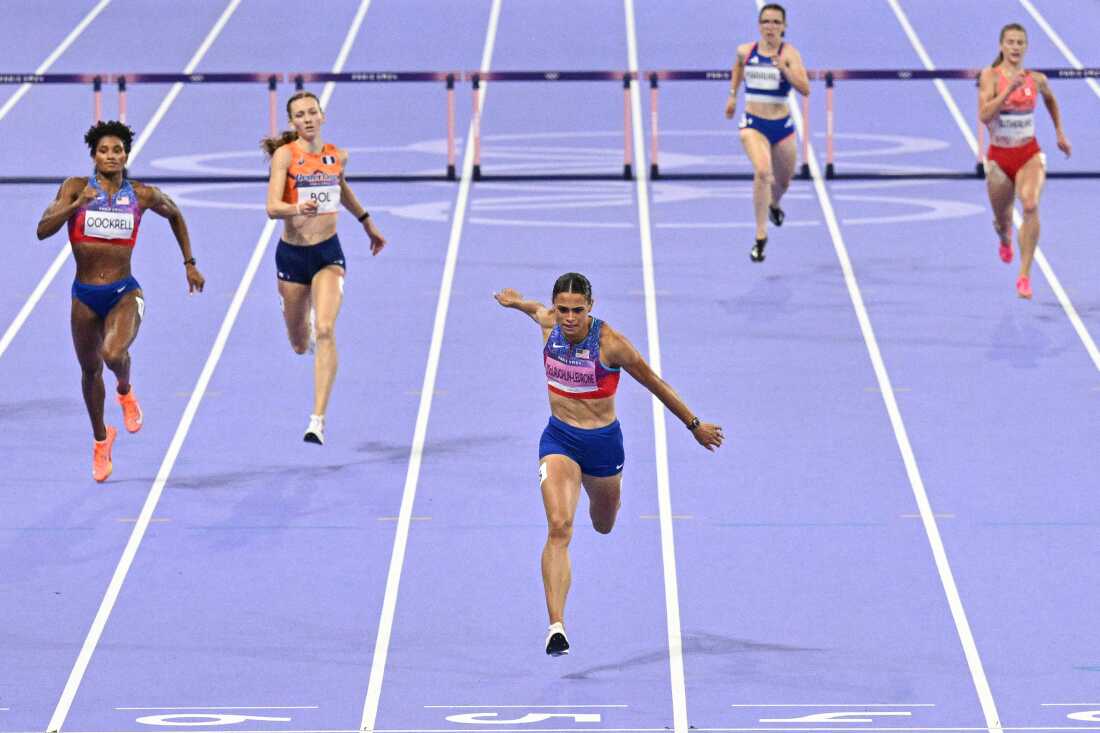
327,197
763,78
1014,129
108,224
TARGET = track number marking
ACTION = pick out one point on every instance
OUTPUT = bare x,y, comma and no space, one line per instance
491,718
847,716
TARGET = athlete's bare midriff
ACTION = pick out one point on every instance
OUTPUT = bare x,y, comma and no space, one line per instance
768,110
586,414
98,263
306,230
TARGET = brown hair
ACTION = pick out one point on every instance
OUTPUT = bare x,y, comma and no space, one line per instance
1010,27
774,6
271,144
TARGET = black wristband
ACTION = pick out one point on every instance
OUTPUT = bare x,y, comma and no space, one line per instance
189,261
693,424
364,215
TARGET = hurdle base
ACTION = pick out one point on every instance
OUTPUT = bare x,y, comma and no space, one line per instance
804,173
451,172
979,170
477,172
628,172
654,171
830,172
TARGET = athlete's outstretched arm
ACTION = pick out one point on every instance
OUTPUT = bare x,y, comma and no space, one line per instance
350,201
620,352
736,74
153,199
73,193
539,313
1055,113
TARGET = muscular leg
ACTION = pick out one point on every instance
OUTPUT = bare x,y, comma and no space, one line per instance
604,500
561,489
784,158
120,328
1001,194
1029,185
295,297
327,292
87,330
759,151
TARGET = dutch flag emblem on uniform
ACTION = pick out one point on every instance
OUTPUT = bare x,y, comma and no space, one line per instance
328,159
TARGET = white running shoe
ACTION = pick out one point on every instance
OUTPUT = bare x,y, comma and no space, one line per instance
556,642
315,433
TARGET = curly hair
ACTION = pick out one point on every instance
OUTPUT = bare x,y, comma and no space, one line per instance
109,128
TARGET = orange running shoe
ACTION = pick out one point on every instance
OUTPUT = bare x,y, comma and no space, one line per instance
101,456
1005,251
1023,287
131,411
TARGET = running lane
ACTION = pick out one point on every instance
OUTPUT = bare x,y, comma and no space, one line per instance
1003,404
471,618
807,589
260,581
61,534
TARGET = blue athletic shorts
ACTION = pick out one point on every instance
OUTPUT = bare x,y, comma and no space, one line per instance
102,298
298,263
599,451
775,130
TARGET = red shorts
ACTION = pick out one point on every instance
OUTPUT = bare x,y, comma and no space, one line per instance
1011,160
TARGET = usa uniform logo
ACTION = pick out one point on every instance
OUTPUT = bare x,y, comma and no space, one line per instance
328,159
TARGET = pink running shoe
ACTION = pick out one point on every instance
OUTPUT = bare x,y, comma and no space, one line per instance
1023,288
1006,252
101,456
131,411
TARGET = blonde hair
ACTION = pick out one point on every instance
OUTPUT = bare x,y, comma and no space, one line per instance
270,144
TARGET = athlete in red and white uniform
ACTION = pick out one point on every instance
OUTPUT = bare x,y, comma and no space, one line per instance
582,444
1015,166
103,213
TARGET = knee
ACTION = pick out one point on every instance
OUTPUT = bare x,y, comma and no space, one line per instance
603,526
114,358
763,177
299,348
560,530
1030,205
91,372
325,331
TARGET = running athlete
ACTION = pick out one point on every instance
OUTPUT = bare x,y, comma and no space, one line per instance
1014,165
770,68
103,212
583,444
306,190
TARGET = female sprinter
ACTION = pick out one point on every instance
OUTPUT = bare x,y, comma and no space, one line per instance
306,190
770,68
1014,165
583,445
103,212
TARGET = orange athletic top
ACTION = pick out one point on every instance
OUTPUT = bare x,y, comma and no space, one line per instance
314,176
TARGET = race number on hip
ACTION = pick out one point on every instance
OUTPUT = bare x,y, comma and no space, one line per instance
327,197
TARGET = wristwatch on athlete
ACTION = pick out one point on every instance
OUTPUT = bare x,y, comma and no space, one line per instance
189,261
693,424
364,215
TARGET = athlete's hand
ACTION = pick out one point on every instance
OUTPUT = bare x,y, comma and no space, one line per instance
307,208
377,241
731,105
708,435
508,297
195,280
86,196
1063,144
1017,81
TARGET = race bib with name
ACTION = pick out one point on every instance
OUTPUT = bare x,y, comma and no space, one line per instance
577,377
108,224
1015,128
327,197
762,77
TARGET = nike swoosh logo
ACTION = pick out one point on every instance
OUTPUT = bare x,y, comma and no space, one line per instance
618,467
121,289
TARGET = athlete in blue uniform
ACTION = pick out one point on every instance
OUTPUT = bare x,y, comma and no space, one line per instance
770,68
582,444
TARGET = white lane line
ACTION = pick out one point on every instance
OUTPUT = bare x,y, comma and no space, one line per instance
901,435
660,434
412,475
1057,41
803,729
226,707
64,704
54,55
63,254
522,707
840,705
1040,258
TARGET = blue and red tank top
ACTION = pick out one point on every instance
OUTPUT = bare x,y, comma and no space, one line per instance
1014,124
575,370
314,177
763,80
107,219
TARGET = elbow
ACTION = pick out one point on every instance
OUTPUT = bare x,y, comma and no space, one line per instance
41,232
271,213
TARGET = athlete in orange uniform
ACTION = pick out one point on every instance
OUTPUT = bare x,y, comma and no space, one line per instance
1015,166
103,213
583,444
306,189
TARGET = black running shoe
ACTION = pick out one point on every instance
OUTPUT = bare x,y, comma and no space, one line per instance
556,643
757,252
776,215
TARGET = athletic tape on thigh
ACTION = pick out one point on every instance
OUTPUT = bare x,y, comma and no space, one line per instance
341,285
140,306
544,471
